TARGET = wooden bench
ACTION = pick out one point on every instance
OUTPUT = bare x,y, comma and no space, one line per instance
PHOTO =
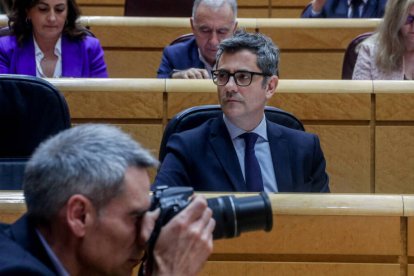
313,234
355,120
246,8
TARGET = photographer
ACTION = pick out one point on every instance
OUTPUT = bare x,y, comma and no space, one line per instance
87,196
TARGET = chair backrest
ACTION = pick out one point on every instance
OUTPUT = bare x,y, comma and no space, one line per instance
159,8
182,38
195,116
31,110
351,54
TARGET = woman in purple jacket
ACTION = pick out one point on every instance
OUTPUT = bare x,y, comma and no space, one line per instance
46,41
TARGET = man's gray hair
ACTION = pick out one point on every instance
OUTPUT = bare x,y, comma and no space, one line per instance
89,159
215,5
266,51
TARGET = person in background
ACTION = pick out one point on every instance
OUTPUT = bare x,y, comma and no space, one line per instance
241,150
46,41
211,22
389,53
87,196
345,9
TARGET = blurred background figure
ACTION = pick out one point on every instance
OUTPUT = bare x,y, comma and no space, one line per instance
46,41
389,53
345,9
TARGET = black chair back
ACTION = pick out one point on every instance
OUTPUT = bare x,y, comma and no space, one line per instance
195,116
351,55
31,110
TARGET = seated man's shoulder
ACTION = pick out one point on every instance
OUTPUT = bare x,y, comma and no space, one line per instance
293,135
15,260
182,46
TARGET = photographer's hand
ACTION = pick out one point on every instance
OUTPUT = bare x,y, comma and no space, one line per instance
185,242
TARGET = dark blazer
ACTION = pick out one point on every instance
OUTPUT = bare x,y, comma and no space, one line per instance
22,252
339,9
205,158
180,56
80,58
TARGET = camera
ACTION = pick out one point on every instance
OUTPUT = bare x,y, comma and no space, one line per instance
233,215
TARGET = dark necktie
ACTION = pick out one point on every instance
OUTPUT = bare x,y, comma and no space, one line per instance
355,8
253,175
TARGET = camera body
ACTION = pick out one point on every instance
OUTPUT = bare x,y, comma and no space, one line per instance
232,215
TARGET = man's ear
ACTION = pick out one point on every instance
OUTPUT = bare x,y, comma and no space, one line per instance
271,86
79,214
192,23
235,26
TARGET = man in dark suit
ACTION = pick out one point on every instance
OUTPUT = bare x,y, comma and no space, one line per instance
345,9
87,197
215,157
211,22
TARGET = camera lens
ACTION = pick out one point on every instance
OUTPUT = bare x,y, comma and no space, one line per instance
234,216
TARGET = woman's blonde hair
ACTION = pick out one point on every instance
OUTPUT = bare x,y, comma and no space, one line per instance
391,46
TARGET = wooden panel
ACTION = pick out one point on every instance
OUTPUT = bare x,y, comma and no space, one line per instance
323,33
253,12
308,100
394,159
137,32
347,154
410,237
286,12
410,270
149,135
102,2
343,235
113,98
289,3
102,10
409,211
394,100
132,63
253,3
310,64
215,268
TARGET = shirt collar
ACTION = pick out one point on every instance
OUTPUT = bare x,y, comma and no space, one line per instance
235,131
58,49
56,262
206,64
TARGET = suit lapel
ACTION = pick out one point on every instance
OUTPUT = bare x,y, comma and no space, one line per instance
223,147
279,149
26,62
195,55
72,57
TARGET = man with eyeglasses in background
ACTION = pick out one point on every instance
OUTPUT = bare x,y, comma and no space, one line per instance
241,150
211,22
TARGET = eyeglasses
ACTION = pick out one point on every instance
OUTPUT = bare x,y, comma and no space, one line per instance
409,20
241,78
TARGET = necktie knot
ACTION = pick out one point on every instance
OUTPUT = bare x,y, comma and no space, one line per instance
250,139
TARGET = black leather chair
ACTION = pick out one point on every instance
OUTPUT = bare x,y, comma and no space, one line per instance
31,110
159,8
195,116
351,55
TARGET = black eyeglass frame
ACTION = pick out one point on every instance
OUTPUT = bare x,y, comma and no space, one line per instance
214,77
